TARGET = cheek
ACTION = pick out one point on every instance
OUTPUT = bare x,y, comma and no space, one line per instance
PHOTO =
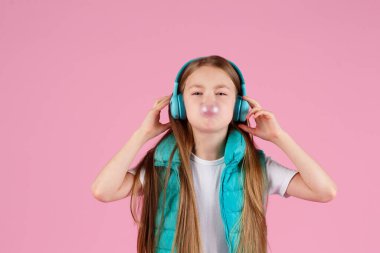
228,105
224,110
192,105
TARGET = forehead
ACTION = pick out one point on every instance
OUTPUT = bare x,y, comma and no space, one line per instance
216,86
209,77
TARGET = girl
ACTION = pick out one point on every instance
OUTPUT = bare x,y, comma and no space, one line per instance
204,186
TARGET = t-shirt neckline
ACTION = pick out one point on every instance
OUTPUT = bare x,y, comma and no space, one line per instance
197,159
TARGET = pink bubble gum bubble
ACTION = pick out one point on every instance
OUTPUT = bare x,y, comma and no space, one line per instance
209,110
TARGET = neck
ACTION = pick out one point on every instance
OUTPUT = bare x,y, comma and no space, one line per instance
210,146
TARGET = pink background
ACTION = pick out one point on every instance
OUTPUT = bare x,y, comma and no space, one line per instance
78,77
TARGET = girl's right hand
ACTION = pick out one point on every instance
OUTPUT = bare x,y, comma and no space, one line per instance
151,126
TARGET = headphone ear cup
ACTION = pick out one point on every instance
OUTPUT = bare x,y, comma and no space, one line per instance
237,108
244,109
174,107
241,109
181,107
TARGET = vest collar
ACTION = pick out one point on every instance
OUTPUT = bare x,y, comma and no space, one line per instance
233,152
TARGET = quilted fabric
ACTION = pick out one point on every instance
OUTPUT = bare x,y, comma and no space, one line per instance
231,197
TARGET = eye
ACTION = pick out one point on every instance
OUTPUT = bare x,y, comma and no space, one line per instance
222,93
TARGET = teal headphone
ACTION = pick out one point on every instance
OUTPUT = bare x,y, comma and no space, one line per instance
177,106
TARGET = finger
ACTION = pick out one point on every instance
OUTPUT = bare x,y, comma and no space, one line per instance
160,99
164,98
247,128
251,101
253,111
167,125
160,105
262,112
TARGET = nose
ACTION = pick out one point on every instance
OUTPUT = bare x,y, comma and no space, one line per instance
209,98
209,107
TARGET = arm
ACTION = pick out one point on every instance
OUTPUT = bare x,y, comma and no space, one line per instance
312,182
113,182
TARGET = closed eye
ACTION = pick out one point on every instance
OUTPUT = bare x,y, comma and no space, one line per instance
223,94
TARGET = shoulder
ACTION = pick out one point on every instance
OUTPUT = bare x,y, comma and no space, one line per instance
263,155
279,176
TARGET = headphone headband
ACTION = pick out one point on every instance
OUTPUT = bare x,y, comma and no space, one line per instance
179,74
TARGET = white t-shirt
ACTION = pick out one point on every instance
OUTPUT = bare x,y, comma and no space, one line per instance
206,176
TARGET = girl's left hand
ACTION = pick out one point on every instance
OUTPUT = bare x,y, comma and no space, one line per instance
267,127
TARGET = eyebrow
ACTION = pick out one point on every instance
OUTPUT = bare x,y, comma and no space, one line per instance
217,86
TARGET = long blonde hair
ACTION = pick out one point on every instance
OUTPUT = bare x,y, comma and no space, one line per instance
253,227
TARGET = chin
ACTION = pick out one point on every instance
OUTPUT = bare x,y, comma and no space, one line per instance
210,126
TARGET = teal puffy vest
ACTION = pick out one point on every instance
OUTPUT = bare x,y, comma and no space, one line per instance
230,192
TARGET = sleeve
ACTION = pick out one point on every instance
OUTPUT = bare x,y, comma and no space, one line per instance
279,177
142,173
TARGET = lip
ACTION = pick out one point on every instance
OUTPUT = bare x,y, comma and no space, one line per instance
208,115
209,111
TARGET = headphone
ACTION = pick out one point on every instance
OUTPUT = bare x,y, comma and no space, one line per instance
177,106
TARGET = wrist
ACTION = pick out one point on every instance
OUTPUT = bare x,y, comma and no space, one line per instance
141,136
279,137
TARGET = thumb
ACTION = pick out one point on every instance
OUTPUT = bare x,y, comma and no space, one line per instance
248,129
166,126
